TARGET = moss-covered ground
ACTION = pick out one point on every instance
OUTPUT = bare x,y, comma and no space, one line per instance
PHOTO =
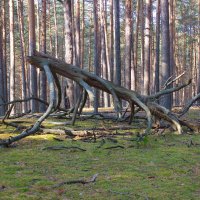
162,167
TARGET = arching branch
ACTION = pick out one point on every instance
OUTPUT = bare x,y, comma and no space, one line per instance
36,126
189,104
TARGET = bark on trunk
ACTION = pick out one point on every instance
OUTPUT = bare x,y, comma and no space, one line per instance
2,108
128,43
165,66
96,53
117,53
12,53
56,28
4,52
43,87
157,63
22,46
103,53
147,48
69,48
32,47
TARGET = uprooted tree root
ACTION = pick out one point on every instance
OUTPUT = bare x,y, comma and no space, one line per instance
86,80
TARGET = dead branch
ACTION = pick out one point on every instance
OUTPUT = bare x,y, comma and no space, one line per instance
63,147
189,104
36,126
115,147
24,100
80,181
169,81
7,116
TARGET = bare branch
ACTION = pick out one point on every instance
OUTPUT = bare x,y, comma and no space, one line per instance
36,126
189,104
168,91
169,81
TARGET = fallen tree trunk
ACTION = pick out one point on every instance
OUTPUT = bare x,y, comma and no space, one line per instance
87,80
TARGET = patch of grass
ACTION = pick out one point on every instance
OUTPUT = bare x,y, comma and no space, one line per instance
165,167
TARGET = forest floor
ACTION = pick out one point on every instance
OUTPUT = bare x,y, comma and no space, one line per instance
163,166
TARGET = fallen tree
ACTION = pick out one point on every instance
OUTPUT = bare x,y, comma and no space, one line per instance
86,80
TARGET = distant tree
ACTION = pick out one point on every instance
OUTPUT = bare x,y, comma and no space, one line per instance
96,51
111,40
171,32
12,52
4,50
104,63
22,51
83,34
77,33
32,48
43,86
157,59
38,27
117,51
104,26
56,29
198,88
69,47
128,43
172,39
90,45
147,48
165,60
2,110
141,71
134,82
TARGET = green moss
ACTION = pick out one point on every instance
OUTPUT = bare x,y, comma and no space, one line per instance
165,167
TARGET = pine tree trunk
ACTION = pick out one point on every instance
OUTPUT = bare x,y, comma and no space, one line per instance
103,53
43,90
128,44
147,48
90,46
12,52
83,34
157,63
55,28
198,88
32,47
77,32
142,48
104,22
4,52
69,48
111,41
22,48
165,66
2,108
117,51
38,25
96,53
50,41
171,30
136,47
